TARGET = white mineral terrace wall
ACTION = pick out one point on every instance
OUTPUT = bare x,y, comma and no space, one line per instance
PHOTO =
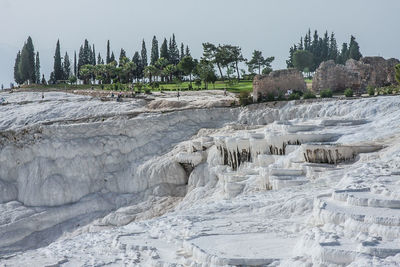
59,164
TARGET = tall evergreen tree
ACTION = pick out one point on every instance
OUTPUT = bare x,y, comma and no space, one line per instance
108,58
66,67
173,51
58,71
75,66
122,56
301,46
333,49
344,54
112,58
325,47
94,56
309,40
138,72
354,49
80,61
306,43
99,60
154,51
31,60
26,66
87,53
289,62
187,53
182,51
37,68
164,50
17,74
144,54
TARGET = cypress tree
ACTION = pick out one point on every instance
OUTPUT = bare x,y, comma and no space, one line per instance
306,47
187,51
108,58
66,67
26,66
173,51
75,67
138,72
122,55
301,46
23,65
80,61
31,61
182,51
94,56
333,49
17,73
37,68
325,47
99,60
154,51
344,53
354,49
164,50
58,71
314,44
289,62
112,58
309,39
87,53
143,54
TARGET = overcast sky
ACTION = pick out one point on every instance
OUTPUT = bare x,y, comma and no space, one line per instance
271,26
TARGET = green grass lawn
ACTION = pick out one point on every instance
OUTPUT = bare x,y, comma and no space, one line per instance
234,87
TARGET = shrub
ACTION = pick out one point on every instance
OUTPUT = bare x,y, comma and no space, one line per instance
309,95
139,86
389,90
270,97
198,83
244,98
348,92
281,96
190,87
371,90
327,93
147,91
397,72
294,96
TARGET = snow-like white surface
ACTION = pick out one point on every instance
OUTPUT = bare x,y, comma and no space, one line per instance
200,187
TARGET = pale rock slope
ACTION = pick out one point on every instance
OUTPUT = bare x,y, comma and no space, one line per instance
296,184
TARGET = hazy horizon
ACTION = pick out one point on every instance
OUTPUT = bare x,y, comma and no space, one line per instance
269,26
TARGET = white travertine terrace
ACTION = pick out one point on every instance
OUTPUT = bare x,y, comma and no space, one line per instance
84,182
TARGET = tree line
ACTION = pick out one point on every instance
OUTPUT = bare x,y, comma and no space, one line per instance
167,63
311,51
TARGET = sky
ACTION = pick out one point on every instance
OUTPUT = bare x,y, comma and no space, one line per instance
271,26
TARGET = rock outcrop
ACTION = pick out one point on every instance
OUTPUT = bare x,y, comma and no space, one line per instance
368,71
276,82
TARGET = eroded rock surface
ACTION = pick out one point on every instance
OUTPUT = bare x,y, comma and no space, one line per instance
276,82
357,75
